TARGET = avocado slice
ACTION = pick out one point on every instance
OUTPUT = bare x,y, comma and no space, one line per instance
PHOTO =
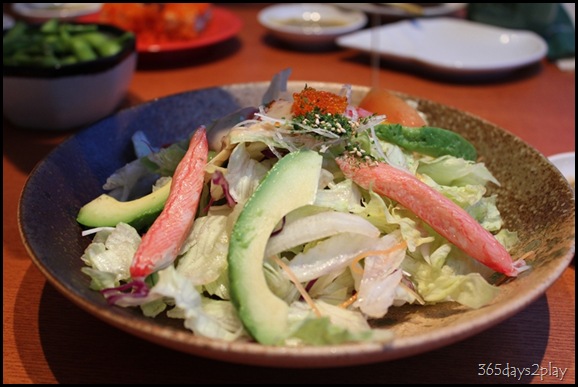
291,183
139,213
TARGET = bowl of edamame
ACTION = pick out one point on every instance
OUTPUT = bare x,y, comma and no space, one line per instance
64,75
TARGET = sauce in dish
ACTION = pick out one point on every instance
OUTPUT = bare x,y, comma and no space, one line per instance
306,23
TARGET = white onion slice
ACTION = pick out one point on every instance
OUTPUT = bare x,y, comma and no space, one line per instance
318,226
333,254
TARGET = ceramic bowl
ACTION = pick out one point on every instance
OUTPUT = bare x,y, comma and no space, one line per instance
310,24
70,96
57,188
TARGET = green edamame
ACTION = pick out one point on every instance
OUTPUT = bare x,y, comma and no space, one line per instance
101,43
55,43
82,49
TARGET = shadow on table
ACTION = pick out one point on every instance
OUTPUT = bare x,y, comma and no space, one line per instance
189,57
279,44
513,75
79,348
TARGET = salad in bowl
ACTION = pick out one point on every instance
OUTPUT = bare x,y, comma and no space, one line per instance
300,221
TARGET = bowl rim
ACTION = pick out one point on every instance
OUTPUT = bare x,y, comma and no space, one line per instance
98,65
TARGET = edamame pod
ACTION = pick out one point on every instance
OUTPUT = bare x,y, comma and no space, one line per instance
82,49
104,45
55,44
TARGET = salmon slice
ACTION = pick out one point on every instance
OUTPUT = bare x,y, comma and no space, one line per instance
396,110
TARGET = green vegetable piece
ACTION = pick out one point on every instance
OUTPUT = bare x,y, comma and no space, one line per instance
139,213
54,42
427,140
109,49
68,60
105,45
78,28
50,27
290,184
16,32
82,49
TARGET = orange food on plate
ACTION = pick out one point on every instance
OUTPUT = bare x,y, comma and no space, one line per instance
155,23
396,110
310,99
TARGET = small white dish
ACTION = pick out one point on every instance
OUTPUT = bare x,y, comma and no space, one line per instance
55,10
310,24
566,163
450,45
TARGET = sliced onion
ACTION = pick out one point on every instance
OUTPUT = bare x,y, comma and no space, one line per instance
334,254
318,226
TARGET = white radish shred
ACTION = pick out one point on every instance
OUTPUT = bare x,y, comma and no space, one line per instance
95,230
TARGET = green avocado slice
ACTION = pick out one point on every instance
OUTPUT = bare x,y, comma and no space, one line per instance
291,183
139,213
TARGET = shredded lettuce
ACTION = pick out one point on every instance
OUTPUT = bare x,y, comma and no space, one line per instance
218,324
453,171
205,250
356,254
442,284
109,256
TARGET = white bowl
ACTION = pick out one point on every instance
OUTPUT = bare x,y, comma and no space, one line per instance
70,96
310,24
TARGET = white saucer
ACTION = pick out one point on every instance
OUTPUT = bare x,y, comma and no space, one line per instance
450,45
310,24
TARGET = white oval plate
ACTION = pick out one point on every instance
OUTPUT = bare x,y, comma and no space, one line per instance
450,45
386,9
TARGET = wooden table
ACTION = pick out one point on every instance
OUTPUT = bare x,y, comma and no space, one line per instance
47,339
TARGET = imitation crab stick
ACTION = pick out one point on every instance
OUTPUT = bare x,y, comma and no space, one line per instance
443,215
161,244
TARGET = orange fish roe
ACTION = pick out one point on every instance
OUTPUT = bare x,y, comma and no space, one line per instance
309,99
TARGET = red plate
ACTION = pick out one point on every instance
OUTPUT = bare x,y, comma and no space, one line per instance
223,25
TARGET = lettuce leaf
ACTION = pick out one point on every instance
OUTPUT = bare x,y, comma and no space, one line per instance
110,255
